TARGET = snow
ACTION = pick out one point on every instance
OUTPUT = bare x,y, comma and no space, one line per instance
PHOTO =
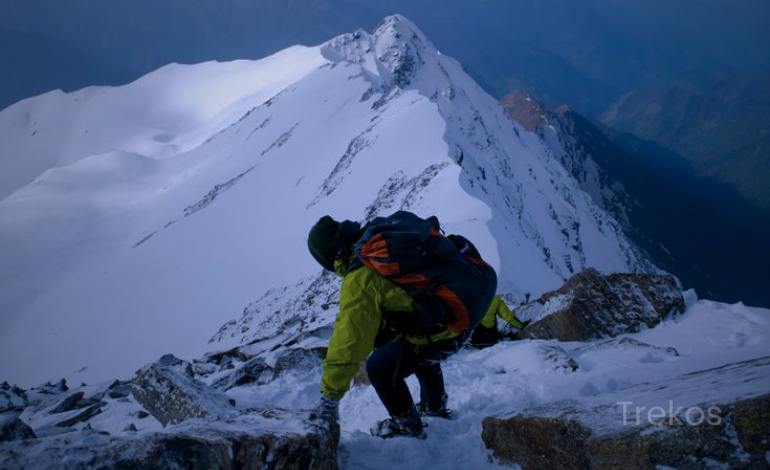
136,219
688,360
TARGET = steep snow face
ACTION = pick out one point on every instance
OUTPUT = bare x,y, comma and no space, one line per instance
160,209
570,142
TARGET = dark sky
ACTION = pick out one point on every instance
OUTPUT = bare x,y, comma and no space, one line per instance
601,47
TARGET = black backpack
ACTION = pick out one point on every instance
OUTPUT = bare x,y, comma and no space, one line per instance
451,284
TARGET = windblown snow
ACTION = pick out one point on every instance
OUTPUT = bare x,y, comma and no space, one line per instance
136,219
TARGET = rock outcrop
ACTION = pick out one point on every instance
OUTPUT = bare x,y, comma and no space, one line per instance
647,425
12,428
165,417
12,397
264,440
590,305
737,435
169,391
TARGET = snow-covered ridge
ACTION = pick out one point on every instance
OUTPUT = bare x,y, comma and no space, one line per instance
161,208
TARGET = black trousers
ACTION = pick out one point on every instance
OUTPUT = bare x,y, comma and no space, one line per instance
396,360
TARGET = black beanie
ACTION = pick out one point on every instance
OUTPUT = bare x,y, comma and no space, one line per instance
322,241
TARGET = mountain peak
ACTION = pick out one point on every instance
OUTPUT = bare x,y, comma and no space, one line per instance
397,29
397,46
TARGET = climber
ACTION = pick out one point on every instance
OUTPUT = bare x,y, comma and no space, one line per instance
486,334
378,315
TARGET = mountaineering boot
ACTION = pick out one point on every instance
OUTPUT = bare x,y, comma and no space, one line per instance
407,425
438,412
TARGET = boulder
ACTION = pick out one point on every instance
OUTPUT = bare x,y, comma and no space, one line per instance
257,370
299,359
169,391
119,389
12,398
260,440
80,415
735,435
12,428
254,370
590,305
68,404
52,388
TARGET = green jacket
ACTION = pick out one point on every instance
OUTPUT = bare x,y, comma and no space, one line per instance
498,308
364,295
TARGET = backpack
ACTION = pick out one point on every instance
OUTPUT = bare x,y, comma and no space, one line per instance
452,286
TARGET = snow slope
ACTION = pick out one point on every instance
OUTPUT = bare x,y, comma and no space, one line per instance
136,219
521,377
713,353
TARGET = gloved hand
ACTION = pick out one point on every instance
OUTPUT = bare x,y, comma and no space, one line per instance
327,408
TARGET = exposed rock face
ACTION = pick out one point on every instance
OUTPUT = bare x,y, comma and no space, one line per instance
520,107
735,435
590,305
202,429
69,403
265,440
170,392
537,442
12,428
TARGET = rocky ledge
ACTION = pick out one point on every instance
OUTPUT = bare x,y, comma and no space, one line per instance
651,425
591,305
162,418
256,440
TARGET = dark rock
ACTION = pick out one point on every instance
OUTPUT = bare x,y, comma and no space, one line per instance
304,359
12,398
119,389
171,361
520,107
264,440
257,371
12,428
130,428
52,389
752,424
590,305
168,390
121,392
254,370
219,356
204,368
84,415
68,404
539,442
141,414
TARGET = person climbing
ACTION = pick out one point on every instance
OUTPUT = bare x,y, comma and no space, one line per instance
486,334
405,311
